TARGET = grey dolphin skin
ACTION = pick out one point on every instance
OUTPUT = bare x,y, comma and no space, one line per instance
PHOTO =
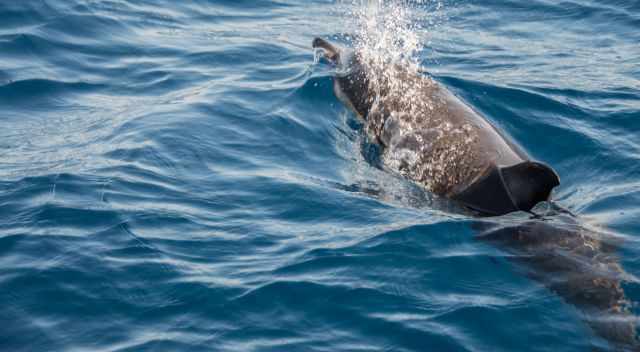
451,150
482,169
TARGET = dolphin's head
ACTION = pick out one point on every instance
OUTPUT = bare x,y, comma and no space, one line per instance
331,52
350,81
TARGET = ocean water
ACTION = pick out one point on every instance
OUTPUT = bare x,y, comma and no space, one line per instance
179,176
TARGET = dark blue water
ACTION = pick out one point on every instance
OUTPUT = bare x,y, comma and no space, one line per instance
178,176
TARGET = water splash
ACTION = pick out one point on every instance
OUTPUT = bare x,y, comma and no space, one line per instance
391,31
389,36
407,106
388,42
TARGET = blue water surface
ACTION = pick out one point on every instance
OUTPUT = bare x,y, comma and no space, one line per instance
179,176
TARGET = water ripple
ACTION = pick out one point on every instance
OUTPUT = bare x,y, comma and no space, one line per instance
180,176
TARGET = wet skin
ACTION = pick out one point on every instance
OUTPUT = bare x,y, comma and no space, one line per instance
430,136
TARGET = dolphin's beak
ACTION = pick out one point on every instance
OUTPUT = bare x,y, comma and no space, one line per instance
331,53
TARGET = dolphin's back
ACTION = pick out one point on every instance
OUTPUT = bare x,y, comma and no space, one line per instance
452,150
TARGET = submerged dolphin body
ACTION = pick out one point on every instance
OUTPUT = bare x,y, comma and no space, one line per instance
576,263
430,136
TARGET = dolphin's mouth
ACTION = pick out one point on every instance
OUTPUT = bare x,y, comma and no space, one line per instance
330,52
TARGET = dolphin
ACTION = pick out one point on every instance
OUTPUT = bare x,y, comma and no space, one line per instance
430,136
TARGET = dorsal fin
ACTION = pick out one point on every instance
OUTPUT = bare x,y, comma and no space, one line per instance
507,189
529,183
